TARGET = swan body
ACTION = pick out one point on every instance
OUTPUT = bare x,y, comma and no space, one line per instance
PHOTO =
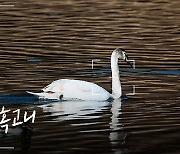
66,89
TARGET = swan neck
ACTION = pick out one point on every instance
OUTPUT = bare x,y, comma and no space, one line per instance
116,85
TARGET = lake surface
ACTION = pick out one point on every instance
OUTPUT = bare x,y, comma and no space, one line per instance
42,41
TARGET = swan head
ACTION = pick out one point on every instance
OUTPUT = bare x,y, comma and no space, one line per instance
121,54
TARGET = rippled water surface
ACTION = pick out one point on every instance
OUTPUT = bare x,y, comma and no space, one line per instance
42,41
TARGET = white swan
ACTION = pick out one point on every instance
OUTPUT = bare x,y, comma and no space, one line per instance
66,89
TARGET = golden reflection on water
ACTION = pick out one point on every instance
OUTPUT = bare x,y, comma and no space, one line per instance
66,35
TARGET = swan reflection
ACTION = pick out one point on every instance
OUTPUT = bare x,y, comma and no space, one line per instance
71,110
116,126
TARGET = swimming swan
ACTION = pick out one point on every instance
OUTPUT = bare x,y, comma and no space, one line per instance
65,89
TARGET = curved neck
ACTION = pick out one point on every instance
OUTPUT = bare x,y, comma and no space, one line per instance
116,84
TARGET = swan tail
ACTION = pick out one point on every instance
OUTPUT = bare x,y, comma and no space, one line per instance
44,95
37,94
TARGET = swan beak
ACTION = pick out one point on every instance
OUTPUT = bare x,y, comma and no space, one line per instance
126,59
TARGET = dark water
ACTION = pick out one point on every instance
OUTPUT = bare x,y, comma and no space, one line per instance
42,41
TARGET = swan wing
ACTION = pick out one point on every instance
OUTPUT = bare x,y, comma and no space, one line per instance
55,86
